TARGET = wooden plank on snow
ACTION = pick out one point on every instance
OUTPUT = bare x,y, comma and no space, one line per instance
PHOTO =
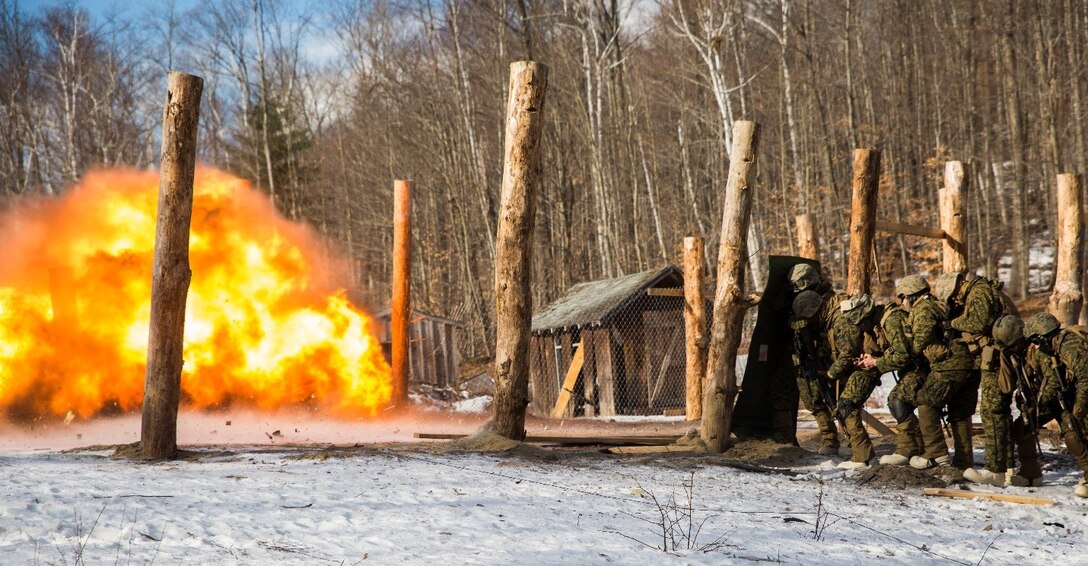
654,439
940,492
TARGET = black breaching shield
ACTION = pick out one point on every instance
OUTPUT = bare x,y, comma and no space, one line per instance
771,346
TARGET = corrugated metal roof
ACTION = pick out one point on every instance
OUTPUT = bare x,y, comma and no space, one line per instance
595,301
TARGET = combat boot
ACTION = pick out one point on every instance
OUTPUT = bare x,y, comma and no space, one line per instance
986,476
1030,474
929,421
1081,490
852,465
829,435
923,463
894,460
963,456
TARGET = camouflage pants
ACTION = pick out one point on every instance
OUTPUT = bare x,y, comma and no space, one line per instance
859,386
783,388
995,409
813,399
956,389
908,387
1074,445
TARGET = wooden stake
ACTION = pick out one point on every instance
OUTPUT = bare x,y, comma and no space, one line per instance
694,326
866,183
569,381
730,304
170,274
401,308
951,203
807,243
513,245
1067,298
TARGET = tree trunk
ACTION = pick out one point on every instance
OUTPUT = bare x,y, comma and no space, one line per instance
171,274
1067,298
694,325
951,205
866,183
513,247
401,310
730,303
807,243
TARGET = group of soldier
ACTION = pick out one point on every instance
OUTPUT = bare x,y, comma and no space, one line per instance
942,346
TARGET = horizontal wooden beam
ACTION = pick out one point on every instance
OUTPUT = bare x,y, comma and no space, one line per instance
615,440
938,492
910,230
666,292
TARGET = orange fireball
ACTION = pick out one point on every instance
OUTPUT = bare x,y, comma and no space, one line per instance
267,320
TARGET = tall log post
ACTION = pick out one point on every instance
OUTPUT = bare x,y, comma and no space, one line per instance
808,245
170,274
694,325
513,245
954,250
866,183
730,303
1067,298
401,307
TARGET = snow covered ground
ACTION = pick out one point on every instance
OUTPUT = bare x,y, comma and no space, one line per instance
238,501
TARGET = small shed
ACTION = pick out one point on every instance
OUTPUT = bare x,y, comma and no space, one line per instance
433,356
631,331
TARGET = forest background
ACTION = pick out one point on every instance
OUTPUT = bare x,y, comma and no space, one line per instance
321,105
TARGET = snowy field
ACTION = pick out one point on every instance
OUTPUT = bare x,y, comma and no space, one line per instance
403,502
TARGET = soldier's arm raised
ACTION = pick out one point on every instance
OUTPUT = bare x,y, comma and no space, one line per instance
848,342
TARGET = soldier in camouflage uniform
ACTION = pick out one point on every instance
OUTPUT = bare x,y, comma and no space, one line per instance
811,351
999,365
974,303
784,382
1060,357
854,334
948,367
895,358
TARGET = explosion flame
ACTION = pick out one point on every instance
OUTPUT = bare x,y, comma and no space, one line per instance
268,323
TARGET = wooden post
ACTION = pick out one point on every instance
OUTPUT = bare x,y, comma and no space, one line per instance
1067,298
401,308
170,275
951,204
730,303
807,244
694,325
513,245
866,183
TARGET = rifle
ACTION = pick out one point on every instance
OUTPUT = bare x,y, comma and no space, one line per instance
809,370
1027,400
1063,403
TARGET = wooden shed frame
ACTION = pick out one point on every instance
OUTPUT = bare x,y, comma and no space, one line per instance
433,355
611,347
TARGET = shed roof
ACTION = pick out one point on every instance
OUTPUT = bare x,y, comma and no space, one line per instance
595,302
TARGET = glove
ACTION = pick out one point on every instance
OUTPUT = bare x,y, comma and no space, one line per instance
844,408
936,353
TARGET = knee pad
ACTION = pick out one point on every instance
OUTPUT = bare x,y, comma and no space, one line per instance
900,409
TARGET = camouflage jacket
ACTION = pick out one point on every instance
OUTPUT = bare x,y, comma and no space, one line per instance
1070,360
894,341
927,343
981,307
848,342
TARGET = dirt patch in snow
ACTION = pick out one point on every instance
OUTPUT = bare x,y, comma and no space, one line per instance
906,477
770,453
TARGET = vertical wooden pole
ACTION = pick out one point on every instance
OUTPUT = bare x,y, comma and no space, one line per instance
730,303
866,183
170,274
513,245
807,244
954,250
1067,298
401,308
694,325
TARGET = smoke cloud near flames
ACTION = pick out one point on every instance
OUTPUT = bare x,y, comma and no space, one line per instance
268,323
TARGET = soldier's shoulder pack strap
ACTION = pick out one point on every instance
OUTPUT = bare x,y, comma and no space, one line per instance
1003,304
1078,330
889,310
832,301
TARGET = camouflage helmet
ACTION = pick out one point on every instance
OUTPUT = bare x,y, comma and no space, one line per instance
911,285
804,277
856,308
1040,324
807,304
946,285
1008,330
